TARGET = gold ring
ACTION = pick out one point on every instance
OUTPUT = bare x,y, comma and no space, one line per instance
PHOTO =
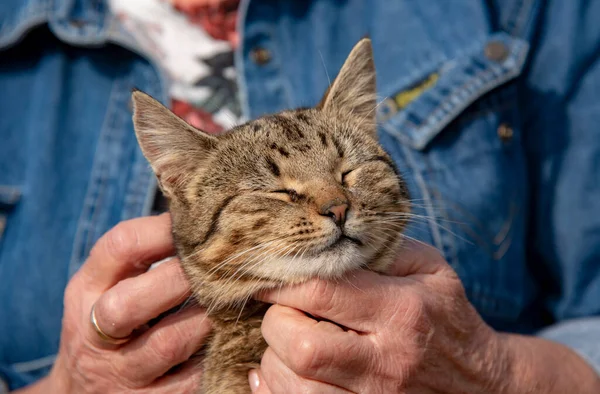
104,336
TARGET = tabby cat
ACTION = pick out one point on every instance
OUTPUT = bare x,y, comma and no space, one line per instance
296,195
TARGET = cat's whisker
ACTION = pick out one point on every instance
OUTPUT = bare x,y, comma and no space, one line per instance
249,265
417,217
242,308
325,68
373,212
190,300
347,280
393,226
373,110
288,269
228,260
424,219
269,248
383,239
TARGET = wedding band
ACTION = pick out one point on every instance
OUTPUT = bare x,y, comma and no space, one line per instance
104,336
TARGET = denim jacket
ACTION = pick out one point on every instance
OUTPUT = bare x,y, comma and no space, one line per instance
491,110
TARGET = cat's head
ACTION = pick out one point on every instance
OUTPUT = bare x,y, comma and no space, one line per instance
300,194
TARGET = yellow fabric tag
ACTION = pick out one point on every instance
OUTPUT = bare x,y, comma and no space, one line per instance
405,97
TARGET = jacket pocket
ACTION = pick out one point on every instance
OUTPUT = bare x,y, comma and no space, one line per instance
456,134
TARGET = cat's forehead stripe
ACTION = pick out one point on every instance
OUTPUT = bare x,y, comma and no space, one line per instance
323,138
273,167
338,146
280,149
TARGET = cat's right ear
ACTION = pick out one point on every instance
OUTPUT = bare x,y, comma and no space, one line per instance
354,89
174,148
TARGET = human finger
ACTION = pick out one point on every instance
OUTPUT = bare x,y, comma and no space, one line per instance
168,343
316,350
355,302
132,302
277,377
418,258
127,250
186,380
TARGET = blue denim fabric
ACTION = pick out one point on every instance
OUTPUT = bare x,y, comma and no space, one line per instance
500,154
70,167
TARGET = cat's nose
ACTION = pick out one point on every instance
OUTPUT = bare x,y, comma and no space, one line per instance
336,210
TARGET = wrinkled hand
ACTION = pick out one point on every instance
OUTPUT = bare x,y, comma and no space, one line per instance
126,296
411,332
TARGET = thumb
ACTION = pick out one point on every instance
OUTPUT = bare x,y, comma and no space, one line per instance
418,258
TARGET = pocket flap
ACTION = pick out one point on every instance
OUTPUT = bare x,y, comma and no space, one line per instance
416,115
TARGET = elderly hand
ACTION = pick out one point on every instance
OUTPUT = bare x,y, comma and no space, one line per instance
115,281
411,332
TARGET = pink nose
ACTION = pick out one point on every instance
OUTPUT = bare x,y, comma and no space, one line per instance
336,211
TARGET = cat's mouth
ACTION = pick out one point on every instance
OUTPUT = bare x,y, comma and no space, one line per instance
345,239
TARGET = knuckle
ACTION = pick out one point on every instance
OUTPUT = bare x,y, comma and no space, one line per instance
121,242
306,356
166,347
112,311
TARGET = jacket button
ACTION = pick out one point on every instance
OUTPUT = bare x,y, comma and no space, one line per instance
260,55
505,132
77,23
496,51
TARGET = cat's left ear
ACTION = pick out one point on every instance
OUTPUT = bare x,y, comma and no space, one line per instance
354,90
174,149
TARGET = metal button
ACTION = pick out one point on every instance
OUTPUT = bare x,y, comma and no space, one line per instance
496,51
260,55
505,132
78,23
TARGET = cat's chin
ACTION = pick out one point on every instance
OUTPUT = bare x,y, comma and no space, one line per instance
343,256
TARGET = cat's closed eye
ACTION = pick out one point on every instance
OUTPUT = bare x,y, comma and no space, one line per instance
344,175
286,195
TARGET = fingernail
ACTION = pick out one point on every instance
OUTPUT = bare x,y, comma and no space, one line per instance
254,380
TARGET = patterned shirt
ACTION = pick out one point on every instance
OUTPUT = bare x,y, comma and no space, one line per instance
194,45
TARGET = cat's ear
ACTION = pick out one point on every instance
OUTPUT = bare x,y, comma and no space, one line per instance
354,90
174,148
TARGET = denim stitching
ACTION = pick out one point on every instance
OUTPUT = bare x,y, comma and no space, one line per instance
425,195
86,218
445,234
522,13
114,130
437,114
